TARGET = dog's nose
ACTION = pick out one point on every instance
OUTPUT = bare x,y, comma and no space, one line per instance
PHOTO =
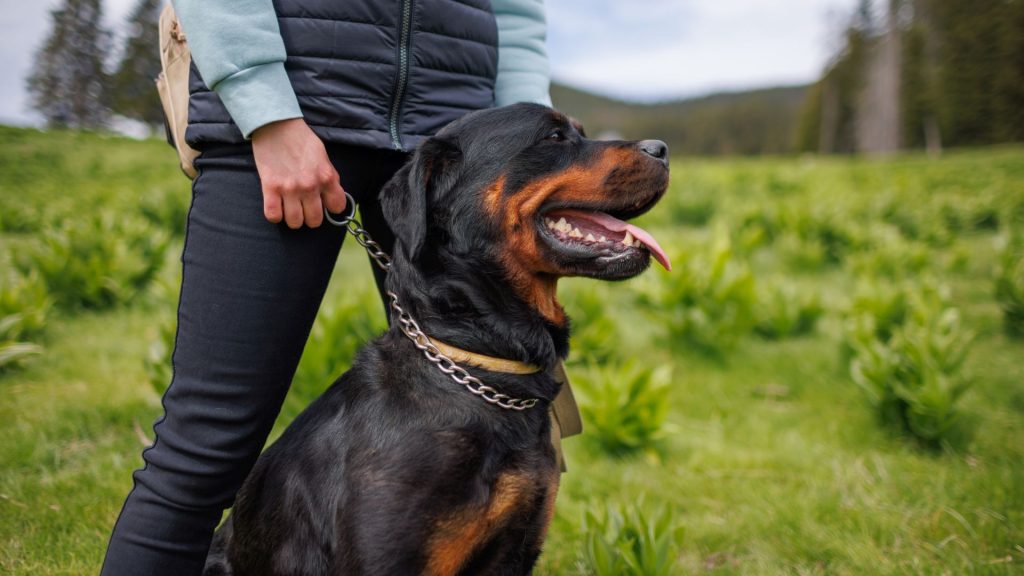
656,149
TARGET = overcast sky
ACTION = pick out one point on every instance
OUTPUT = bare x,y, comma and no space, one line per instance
642,50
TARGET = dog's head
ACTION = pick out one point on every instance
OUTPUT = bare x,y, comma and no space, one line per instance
523,191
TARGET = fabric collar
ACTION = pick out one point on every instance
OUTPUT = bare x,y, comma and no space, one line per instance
483,361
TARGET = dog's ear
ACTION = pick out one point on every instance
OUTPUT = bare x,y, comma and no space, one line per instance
406,199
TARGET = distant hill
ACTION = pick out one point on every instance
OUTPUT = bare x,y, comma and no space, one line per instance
740,123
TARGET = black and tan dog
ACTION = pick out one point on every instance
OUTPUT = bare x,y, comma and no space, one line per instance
397,469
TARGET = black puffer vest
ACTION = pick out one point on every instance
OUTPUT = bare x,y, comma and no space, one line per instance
373,73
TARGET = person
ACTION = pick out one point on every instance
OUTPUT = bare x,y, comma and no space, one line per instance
293,103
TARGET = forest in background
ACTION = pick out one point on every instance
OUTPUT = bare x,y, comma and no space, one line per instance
910,74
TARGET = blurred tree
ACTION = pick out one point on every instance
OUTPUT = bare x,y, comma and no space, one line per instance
936,72
828,120
879,110
1009,87
69,85
132,91
969,60
921,93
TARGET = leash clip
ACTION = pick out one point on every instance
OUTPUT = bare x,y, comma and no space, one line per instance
350,212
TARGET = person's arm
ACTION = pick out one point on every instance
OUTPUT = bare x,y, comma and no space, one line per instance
237,47
523,71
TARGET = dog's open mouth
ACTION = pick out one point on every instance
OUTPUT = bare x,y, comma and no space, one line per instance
601,234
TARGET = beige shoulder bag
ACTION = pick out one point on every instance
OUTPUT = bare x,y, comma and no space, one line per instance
172,84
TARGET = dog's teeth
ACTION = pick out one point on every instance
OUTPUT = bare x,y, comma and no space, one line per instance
602,239
637,244
628,240
562,225
590,238
549,223
575,233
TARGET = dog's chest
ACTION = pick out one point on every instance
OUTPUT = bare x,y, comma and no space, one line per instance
520,504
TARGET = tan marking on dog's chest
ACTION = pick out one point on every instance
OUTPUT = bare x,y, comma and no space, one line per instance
459,535
549,504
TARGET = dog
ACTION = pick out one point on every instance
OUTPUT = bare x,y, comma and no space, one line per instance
398,468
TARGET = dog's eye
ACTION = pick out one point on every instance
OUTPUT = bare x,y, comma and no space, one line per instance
556,135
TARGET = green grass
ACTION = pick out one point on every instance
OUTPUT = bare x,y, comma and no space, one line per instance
771,459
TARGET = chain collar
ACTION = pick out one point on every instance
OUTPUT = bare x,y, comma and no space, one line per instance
445,364
411,328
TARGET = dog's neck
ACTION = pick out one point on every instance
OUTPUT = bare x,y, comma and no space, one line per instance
474,308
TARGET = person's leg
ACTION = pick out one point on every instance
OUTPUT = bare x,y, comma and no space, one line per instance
250,292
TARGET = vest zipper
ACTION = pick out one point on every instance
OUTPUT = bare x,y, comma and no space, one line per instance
403,74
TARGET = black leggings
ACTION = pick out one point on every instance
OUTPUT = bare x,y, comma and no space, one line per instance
250,291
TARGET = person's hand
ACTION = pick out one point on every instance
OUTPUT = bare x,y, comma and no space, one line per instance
298,177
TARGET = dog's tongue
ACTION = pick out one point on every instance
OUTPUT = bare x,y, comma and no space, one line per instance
616,225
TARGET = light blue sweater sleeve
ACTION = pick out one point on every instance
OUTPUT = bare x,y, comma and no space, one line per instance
523,73
237,46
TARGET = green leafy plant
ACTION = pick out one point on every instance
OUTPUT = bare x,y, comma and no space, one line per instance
918,219
166,208
595,336
824,227
891,255
340,329
708,301
12,352
1009,286
18,217
625,406
162,297
804,254
24,296
97,261
693,209
874,312
914,379
24,307
879,308
630,541
784,310
158,358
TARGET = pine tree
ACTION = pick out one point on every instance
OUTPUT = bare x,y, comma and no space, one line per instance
69,84
829,118
969,63
1009,84
133,93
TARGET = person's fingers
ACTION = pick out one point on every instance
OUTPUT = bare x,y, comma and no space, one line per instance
313,210
293,211
272,209
334,196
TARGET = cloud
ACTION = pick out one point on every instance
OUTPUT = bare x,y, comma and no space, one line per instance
673,48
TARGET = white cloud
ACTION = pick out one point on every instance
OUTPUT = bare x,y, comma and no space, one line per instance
672,48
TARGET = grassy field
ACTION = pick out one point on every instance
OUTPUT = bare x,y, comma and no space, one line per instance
758,449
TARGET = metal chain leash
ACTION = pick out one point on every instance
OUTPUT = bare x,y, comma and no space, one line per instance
355,228
411,328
